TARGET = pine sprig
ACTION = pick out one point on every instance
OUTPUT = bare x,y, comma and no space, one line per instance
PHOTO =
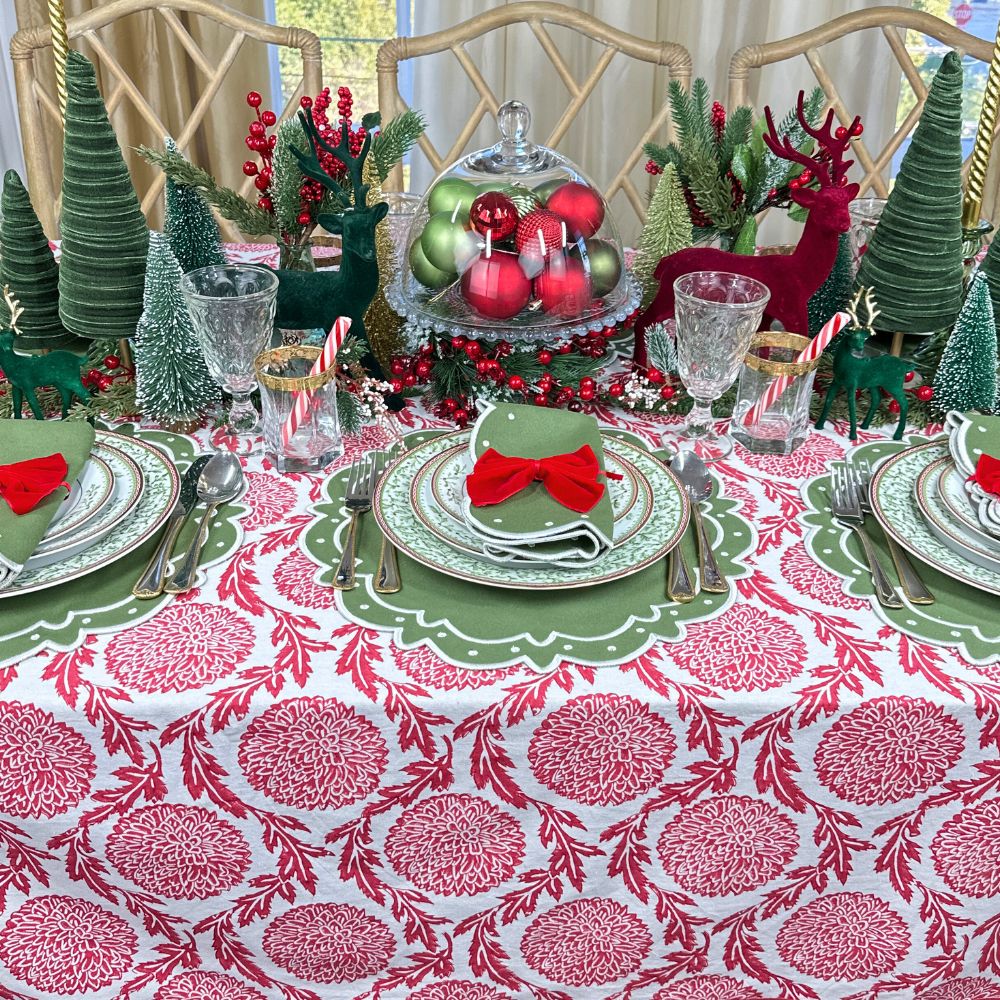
690,113
248,218
287,179
661,349
395,140
739,125
711,191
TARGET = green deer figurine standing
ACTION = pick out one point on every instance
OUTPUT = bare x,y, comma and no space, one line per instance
26,373
314,299
852,371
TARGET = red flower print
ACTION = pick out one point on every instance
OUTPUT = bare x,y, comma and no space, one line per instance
586,942
427,668
888,749
313,753
455,845
809,459
708,988
270,499
47,766
459,989
727,845
745,649
206,986
294,580
373,437
182,852
844,936
185,646
61,945
733,490
602,749
329,943
966,850
962,989
811,580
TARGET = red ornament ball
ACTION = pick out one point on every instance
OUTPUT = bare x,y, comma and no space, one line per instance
495,286
539,233
473,350
493,212
580,206
410,380
398,366
112,361
586,393
516,383
254,99
925,394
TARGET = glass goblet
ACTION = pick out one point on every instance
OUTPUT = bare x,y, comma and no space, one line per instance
716,314
232,312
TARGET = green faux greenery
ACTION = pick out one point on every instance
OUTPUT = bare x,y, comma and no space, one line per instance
104,234
190,226
395,140
711,162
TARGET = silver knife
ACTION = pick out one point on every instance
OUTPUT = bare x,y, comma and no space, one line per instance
154,577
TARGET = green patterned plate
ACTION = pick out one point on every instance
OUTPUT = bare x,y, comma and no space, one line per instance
159,484
950,488
439,489
399,509
91,491
895,504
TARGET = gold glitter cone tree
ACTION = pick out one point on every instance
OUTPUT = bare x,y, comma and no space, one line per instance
382,324
28,267
104,236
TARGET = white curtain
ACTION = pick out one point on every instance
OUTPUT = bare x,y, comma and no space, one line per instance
628,95
11,157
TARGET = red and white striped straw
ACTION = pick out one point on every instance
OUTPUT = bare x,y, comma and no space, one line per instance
831,328
303,399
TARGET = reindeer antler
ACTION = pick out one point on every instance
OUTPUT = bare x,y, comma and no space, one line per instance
832,148
311,166
13,306
871,309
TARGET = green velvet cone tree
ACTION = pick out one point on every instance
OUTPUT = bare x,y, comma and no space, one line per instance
966,378
835,292
914,260
667,229
29,268
172,382
989,268
104,234
190,226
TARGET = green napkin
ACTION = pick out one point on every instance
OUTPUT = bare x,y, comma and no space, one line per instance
19,441
532,527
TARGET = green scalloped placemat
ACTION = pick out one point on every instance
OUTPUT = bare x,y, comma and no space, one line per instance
962,617
485,627
60,617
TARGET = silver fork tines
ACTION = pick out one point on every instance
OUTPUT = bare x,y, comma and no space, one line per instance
846,508
860,476
358,500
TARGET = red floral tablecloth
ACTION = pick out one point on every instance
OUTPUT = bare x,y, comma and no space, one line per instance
247,797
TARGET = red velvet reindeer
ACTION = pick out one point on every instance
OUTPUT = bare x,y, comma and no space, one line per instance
792,278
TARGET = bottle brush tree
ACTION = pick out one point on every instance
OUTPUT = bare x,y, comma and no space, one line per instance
189,224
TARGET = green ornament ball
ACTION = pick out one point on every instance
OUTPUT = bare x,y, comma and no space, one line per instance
425,272
452,193
446,244
544,190
605,265
502,186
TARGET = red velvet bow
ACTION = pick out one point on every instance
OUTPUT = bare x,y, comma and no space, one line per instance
24,485
987,474
571,478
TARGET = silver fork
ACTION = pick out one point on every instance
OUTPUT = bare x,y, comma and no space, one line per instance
846,508
358,499
860,476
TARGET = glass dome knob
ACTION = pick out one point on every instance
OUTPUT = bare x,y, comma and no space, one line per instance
513,120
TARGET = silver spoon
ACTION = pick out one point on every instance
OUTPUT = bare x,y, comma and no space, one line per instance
220,481
697,483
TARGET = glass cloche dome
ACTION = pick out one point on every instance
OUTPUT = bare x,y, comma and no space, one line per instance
513,241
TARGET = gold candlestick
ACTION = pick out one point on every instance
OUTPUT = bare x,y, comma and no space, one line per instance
60,48
972,203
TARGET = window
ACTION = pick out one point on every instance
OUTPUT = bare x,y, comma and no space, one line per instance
977,17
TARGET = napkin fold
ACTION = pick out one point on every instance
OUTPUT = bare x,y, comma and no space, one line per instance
531,525
987,474
23,440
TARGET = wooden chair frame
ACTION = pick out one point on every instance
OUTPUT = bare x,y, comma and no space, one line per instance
675,58
893,23
34,100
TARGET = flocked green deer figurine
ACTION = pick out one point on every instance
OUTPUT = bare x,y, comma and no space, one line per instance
314,299
26,373
853,371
